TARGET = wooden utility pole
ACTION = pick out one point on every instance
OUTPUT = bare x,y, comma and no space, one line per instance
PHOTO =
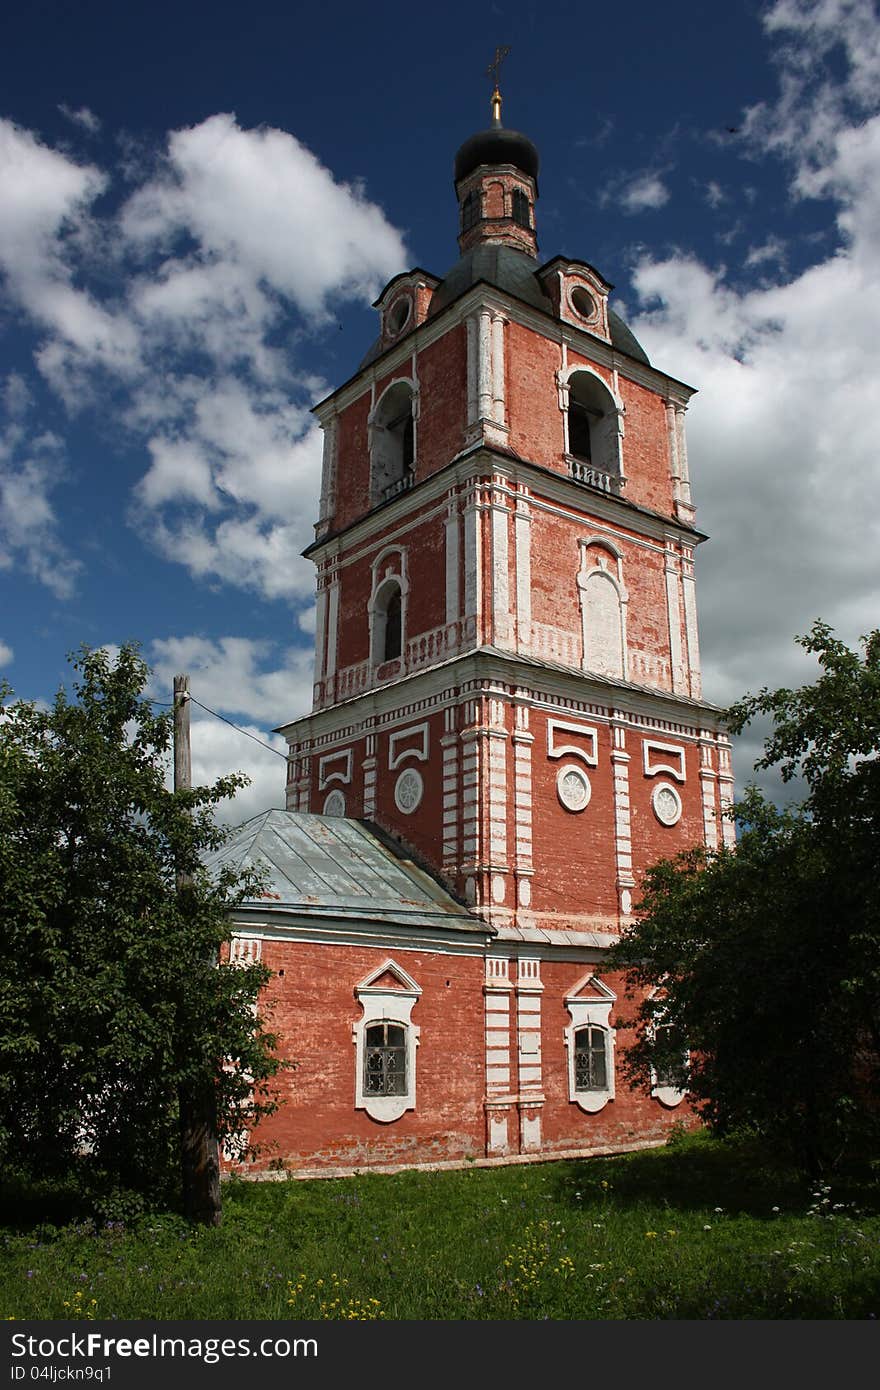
199,1150
182,746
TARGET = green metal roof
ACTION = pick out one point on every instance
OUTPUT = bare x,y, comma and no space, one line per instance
333,867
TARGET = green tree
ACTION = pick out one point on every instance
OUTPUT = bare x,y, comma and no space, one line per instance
761,963
114,1006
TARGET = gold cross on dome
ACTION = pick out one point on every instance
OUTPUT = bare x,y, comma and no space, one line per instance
492,69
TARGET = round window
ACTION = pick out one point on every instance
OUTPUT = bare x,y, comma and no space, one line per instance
408,790
573,787
398,314
667,803
583,302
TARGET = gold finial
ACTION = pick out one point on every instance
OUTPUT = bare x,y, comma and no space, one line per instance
492,71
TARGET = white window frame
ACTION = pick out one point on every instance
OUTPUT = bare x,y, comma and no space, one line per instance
594,1011
670,1096
386,1004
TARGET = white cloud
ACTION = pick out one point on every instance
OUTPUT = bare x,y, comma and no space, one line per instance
782,436
773,250
259,199
638,192
236,677
31,467
82,117
46,201
218,750
237,231
6,653
180,472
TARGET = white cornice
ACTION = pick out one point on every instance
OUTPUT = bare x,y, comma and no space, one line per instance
481,460
299,928
441,685
297,924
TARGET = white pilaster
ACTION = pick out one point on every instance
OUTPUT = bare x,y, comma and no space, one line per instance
689,596
472,563
327,505
500,569
473,370
369,771
681,441
620,760
497,991
522,540
453,602
707,792
451,804
499,387
332,625
725,791
522,741
673,615
529,1057
484,366
672,443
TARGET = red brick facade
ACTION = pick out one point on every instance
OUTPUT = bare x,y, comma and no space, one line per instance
507,680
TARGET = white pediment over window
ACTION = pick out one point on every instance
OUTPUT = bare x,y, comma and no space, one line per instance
589,1041
385,1040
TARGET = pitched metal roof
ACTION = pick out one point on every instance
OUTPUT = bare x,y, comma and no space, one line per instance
514,272
333,867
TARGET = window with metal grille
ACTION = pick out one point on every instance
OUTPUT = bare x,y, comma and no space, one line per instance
522,215
385,1060
590,1065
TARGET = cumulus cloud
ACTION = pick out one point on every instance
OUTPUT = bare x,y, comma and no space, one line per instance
166,311
640,192
252,684
218,750
783,433
6,653
237,675
47,200
32,466
259,199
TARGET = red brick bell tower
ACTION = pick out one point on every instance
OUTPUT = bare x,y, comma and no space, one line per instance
507,673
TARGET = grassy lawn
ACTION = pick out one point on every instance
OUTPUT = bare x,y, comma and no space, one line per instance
694,1230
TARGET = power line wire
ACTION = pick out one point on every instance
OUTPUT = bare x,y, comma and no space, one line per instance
237,727
169,704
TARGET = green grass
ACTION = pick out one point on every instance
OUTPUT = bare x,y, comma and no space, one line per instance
695,1230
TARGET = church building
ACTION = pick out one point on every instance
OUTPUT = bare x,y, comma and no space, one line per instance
507,725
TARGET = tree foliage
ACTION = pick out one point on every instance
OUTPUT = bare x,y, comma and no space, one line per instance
112,999
762,963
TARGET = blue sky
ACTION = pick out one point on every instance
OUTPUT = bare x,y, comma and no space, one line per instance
200,203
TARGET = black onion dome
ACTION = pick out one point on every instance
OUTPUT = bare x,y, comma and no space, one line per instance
496,146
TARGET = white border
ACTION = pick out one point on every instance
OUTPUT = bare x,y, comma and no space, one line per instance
655,796
409,774
334,798
566,770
